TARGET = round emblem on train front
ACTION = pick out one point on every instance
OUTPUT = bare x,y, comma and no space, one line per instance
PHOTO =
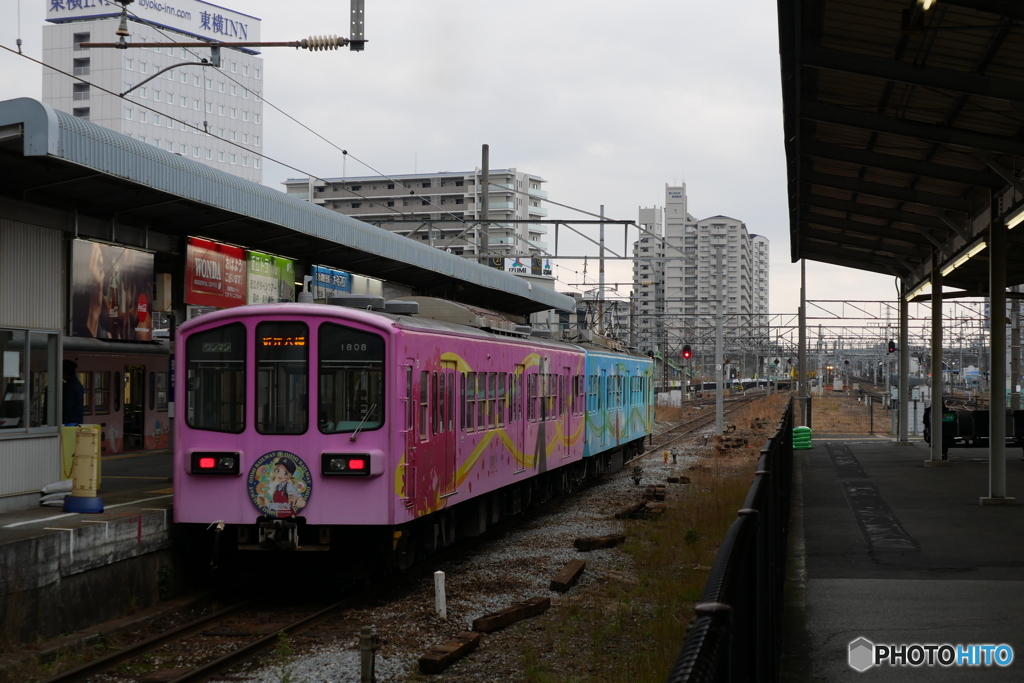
280,484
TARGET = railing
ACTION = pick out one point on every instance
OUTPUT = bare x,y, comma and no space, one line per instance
736,633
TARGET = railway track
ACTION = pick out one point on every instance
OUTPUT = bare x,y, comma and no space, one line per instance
243,629
673,434
226,638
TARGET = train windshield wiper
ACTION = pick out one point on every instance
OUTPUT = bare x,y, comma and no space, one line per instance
366,416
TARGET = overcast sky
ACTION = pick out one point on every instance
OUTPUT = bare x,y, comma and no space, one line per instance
608,101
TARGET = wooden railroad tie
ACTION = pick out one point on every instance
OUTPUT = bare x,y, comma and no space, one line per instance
438,658
646,509
678,480
595,542
510,615
568,575
654,492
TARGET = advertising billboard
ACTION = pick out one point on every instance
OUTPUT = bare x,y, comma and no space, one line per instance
271,279
194,17
214,274
328,282
111,289
520,265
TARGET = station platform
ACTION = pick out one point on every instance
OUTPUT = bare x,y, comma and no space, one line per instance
883,548
60,571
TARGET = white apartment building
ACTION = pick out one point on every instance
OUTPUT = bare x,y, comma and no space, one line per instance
649,279
213,116
689,277
442,209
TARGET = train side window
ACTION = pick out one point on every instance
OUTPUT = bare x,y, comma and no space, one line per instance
101,393
502,376
492,399
437,393
409,413
161,391
424,405
481,400
215,379
462,401
531,397
451,402
117,391
470,400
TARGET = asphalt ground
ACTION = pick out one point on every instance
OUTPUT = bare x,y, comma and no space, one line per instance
884,548
129,481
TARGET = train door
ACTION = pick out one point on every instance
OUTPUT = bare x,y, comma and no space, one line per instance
409,431
134,406
564,409
518,419
603,407
446,424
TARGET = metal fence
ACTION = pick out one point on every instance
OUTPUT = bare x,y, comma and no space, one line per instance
736,632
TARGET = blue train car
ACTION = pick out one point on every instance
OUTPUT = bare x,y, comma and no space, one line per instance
620,404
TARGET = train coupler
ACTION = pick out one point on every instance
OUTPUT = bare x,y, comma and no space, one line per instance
278,534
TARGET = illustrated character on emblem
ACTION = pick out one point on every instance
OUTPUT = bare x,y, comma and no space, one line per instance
286,500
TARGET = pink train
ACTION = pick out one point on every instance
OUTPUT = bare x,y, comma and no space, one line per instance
377,436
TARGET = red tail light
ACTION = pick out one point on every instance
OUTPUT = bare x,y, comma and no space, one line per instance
345,464
215,462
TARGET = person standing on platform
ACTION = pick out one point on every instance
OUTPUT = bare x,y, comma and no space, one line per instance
73,407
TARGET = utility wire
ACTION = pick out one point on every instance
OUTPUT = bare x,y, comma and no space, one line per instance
231,78
180,121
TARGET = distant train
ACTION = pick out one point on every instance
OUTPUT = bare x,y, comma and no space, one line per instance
377,436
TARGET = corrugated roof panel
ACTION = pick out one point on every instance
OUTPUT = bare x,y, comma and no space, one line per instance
89,145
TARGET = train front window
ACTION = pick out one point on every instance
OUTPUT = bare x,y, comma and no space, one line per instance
351,379
215,379
282,378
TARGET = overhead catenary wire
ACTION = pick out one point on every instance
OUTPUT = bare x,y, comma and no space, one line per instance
180,121
234,80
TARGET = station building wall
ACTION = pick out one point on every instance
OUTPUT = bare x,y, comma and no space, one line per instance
31,309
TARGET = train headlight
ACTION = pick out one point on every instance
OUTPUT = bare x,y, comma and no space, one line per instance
345,464
205,462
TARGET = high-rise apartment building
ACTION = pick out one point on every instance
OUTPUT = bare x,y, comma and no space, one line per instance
649,279
208,114
684,260
442,209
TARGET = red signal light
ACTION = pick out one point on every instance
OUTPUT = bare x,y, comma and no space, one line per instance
357,464
207,463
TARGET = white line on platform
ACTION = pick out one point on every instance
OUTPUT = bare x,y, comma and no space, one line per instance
72,514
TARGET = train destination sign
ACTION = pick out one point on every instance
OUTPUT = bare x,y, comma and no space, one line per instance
282,341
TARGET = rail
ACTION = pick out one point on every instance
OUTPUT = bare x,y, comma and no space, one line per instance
736,634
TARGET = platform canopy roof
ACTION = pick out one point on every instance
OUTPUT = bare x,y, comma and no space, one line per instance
52,160
904,133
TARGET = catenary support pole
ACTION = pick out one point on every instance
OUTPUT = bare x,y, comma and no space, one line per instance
936,416
903,405
600,287
1014,351
997,366
802,351
719,352
485,189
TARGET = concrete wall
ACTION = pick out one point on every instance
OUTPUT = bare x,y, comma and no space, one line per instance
53,583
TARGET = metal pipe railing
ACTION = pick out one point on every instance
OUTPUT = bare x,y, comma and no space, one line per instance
736,634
